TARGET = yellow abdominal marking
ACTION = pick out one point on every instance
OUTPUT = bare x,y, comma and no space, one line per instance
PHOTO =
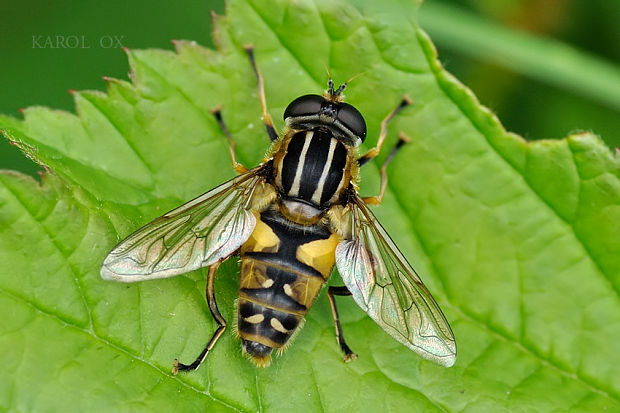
255,319
267,283
320,254
287,290
277,325
262,239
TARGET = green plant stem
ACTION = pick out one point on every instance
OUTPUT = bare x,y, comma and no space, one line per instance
563,66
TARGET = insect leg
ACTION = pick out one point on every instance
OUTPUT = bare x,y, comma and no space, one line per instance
349,355
406,101
375,200
218,332
239,168
271,130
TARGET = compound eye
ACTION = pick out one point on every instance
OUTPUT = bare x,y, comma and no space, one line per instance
306,105
353,120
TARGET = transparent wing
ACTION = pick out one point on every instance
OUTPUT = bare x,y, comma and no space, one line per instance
196,234
388,289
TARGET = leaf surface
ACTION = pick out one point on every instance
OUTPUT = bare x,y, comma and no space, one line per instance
517,241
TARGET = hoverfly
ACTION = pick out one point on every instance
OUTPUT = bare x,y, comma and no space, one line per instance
291,219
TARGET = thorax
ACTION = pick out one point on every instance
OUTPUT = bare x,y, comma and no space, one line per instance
311,170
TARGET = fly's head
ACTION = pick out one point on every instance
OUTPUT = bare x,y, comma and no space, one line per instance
330,112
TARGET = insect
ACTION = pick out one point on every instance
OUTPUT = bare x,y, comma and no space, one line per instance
292,219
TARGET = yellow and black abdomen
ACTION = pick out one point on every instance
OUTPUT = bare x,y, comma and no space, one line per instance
283,267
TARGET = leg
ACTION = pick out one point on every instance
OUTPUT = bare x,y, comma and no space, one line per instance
271,131
331,292
377,149
375,200
239,168
218,332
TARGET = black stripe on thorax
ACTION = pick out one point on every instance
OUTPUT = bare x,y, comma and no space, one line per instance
334,175
316,156
291,160
322,163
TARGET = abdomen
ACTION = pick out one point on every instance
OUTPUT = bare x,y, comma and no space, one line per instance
283,268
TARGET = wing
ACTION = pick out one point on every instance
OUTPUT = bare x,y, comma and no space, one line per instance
386,287
197,234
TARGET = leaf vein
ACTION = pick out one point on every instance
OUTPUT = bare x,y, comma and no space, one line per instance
112,346
58,248
131,146
282,43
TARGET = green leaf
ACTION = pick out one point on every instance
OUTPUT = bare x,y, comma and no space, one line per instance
517,241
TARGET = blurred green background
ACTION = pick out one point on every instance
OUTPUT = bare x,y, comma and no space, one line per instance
546,67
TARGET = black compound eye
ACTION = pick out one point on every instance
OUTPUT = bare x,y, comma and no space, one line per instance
353,120
304,106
